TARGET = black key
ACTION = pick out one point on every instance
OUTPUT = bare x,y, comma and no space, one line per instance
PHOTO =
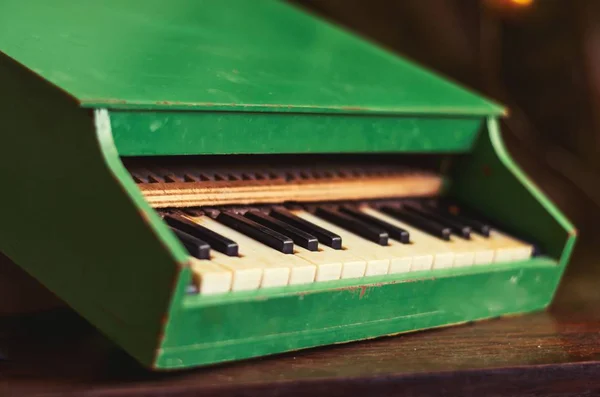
479,227
394,232
371,233
216,241
416,220
299,237
457,228
257,231
324,236
196,247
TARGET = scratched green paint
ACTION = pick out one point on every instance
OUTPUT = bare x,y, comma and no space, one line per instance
178,133
209,76
69,220
291,321
218,55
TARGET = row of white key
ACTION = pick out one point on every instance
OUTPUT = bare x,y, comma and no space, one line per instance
259,266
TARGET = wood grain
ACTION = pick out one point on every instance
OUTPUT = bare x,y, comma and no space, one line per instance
190,194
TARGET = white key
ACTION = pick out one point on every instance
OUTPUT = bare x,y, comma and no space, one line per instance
508,249
465,252
484,252
379,259
210,277
333,264
246,275
476,251
278,269
422,244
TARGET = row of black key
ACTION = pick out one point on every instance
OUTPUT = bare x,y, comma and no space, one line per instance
322,235
257,231
300,237
280,229
354,225
394,232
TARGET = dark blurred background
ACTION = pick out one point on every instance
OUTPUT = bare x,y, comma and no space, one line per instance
541,58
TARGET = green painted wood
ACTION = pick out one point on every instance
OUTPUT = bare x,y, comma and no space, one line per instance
70,223
491,182
218,55
286,321
205,330
185,132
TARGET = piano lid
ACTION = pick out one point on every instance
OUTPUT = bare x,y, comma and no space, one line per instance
235,55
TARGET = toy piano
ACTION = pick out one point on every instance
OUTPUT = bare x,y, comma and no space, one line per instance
212,181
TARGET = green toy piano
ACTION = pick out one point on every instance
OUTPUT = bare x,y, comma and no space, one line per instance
214,181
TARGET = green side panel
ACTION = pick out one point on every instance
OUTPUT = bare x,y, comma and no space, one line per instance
490,181
71,224
185,132
286,320
237,55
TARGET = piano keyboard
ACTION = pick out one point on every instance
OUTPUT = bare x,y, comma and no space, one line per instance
252,248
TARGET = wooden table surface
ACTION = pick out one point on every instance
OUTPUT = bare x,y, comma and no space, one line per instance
549,353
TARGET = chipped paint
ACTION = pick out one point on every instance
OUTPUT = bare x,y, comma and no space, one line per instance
363,290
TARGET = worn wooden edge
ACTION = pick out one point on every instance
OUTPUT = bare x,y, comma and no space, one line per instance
160,195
